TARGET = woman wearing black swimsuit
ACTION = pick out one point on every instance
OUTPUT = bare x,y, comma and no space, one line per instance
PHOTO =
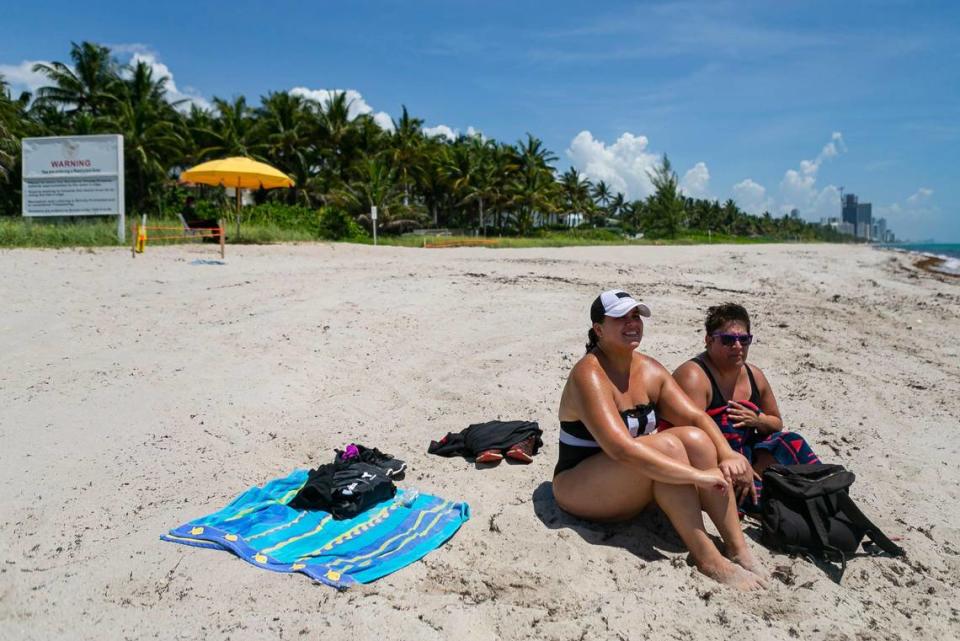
611,464
738,397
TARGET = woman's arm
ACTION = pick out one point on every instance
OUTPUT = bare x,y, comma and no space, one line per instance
769,420
675,406
597,409
694,384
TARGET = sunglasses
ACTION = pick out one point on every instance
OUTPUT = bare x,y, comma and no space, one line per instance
727,340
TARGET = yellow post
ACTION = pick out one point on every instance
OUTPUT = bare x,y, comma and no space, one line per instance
222,242
141,238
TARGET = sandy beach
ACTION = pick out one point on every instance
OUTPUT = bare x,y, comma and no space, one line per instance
139,394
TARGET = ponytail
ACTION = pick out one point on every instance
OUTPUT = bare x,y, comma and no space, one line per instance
592,339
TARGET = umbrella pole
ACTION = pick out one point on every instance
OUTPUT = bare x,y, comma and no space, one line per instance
237,190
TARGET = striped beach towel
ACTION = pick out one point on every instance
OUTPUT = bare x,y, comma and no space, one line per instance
260,528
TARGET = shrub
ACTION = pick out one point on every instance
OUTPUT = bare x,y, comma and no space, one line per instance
294,217
334,223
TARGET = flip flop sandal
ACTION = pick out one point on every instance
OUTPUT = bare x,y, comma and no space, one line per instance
522,451
489,456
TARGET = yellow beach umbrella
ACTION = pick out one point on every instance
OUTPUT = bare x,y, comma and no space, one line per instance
238,172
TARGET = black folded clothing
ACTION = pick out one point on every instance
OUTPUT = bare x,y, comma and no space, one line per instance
392,467
492,435
344,488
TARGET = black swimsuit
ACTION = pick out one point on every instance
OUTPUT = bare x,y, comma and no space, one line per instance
577,444
717,401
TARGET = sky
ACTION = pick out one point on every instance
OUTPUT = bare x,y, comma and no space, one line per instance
778,105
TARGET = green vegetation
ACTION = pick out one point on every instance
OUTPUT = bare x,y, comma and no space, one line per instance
342,166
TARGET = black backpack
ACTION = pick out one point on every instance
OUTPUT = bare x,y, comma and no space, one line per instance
805,509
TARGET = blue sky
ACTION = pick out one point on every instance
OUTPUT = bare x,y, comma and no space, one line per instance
777,105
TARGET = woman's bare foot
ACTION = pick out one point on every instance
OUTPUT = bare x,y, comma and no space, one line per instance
735,576
747,561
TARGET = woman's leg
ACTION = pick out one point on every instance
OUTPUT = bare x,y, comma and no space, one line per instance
601,489
721,508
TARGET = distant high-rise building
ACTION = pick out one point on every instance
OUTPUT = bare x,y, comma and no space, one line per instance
880,230
794,213
858,214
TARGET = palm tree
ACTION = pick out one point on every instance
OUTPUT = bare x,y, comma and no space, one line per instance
601,196
283,123
406,144
233,131
575,190
374,184
333,132
533,187
470,170
90,86
616,205
150,128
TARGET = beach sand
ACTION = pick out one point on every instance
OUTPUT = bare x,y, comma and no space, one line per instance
139,394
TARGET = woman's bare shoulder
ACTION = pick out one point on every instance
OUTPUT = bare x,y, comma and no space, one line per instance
588,368
648,364
689,370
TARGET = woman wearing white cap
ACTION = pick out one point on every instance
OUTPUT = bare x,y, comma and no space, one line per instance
613,464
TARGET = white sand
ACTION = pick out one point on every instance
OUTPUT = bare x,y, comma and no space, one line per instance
138,394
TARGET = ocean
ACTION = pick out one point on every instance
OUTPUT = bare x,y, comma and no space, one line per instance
949,253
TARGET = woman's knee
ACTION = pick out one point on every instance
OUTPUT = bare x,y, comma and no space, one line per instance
672,446
698,445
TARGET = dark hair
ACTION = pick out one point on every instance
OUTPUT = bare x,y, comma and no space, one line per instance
592,339
597,314
720,315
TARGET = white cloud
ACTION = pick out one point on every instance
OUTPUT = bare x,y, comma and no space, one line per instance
916,216
22,77
798,189
752,197
441,131
160,70
696,182
921,196
624,165
384,121
358,106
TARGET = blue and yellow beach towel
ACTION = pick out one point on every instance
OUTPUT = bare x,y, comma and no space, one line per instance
260,528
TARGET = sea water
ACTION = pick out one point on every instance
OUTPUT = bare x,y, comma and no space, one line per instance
949,253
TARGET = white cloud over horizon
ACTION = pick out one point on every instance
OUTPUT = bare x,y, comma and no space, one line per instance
622,165
916,216
441,131
798,188
358,106
22,77
752,197
696,182
626,165
189,95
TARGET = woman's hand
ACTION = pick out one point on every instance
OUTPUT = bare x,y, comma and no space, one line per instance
739,474
712,480
742,416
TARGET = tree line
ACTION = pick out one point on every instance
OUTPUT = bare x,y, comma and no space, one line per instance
344,161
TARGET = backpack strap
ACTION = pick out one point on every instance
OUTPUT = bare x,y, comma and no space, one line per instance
830,553
859,519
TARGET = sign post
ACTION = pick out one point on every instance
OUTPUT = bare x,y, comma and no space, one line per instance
373,217
74,176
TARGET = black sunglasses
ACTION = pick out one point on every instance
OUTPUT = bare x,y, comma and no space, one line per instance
727,340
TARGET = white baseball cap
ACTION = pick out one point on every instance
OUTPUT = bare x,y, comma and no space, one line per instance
615,303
